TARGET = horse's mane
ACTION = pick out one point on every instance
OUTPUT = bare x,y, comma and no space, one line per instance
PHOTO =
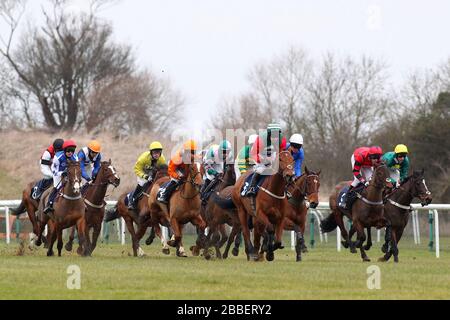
416,174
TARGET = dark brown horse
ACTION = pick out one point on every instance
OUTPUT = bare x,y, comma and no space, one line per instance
366,212
397,209
270,204
216,217
69,210
143,210
95,204
305,194
183,207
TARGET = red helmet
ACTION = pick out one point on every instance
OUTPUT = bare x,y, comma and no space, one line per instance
68,144
375,151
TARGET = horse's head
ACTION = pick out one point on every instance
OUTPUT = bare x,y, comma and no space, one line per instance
194,177
74,176
229,176
381,178
161,171
312,187
286,166
419,188
108,174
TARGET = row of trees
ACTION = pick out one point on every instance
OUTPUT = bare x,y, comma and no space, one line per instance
69,74
339,104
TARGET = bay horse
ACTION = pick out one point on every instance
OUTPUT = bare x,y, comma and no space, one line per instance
270,204
69,210
304,194
366,212
95,204
216,217
30,205
397,209
132,217
183,207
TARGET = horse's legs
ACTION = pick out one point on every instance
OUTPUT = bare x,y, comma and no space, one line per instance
237,243
249,249
233,233
360,240
300,241
53,236
97,228
177,233
134,238
69,244
43,222
222,240
340,222
352,244
302,231
151,237
258,231
60,241
396,235
369,239
198,221
82,234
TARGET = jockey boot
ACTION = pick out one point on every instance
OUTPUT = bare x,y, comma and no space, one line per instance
135,197
40,187
164,194
204,188
208,190
252,188
51,200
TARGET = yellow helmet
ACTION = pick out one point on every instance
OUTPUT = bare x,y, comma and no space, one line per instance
401,148
190,145
155,145
95,146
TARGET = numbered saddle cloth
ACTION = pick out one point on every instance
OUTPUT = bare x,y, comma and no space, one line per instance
248,181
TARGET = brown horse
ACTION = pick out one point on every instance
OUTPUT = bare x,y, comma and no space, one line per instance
95,204
29,205
304,194
398,207
69,210
366,212
270,205
183,207
216,217
143,210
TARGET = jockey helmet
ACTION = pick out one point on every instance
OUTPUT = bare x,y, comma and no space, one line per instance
58,145
225,145
69,144
401,148
375,152
155,145
296,139
252,139
94,146
190,145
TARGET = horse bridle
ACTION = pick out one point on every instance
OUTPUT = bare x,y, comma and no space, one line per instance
304,193
193,183
401,188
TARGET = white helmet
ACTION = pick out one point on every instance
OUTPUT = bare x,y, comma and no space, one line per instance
296,138
252,138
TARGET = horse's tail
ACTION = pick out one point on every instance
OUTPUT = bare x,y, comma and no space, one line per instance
224,203
111,214
328,224
18,210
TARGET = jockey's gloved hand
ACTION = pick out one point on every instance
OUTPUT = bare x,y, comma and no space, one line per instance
64,174
366,183
145,176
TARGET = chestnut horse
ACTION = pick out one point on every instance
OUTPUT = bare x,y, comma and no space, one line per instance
143,210
69,210
183,207
398,207
95,204
366,212
304,194
270,205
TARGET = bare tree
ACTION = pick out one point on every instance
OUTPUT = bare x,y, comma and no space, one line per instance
60,62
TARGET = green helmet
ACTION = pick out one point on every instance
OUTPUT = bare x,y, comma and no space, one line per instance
225,145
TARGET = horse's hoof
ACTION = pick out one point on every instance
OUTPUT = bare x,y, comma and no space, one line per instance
345,244
382,259
235,252
396,259
298,259
195,250
68,246
253,257
367,248
149,241
384,248
80,251
365,259
207,256
182,254
225,256
270,256
50,253
171,243
166,251
140,252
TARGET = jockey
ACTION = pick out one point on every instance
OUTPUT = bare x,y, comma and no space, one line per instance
215,160
178,166
243,161
295,147
46,163
363,160
90,160
59,167
146,169
264,153
398,164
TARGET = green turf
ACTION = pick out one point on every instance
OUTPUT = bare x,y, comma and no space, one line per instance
324,274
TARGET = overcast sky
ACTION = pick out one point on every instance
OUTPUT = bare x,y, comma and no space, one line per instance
206,47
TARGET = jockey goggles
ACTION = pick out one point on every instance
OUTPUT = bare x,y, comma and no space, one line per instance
401,155
296,145
72,150
375,156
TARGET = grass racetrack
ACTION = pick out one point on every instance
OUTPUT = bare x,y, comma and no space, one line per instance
324,274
